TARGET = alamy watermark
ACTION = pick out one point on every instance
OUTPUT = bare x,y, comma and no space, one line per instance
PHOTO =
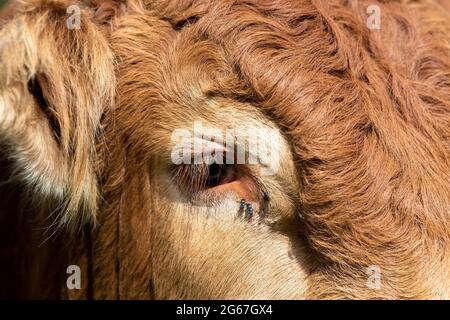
374,19
74,278
253,146
373,277
74,20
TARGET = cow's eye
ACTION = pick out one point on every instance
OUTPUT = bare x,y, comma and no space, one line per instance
218,174
200,177
208,183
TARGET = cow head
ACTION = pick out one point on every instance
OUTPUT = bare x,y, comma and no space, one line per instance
251,149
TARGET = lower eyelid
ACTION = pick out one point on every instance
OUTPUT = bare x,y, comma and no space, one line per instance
240,189
243,189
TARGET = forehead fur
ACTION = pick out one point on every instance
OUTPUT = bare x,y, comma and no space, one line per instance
367,113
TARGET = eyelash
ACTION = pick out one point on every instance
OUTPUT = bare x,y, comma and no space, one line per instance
194,178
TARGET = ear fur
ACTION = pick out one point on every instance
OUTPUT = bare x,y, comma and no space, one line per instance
56,80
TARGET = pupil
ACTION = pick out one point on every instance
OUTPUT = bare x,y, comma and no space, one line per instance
215,174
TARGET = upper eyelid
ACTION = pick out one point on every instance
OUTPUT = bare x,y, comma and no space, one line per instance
218,147
198,147
210,145
201,149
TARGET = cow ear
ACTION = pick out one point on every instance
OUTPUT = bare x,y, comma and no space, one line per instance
56,80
